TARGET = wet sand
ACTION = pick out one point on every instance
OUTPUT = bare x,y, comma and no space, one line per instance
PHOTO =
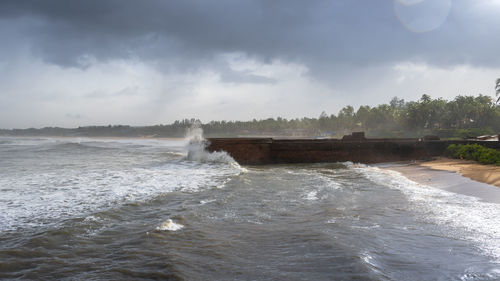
459,176
483,173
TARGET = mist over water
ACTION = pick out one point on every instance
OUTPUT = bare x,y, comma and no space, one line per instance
115,209
196,148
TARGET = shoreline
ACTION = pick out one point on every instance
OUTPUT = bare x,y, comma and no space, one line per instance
488,174
459,176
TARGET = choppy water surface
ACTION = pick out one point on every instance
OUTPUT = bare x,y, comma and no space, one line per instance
93,209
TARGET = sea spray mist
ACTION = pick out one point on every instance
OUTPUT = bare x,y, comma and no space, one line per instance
197,144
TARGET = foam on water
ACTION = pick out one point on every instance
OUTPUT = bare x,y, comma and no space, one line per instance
26,141
464,217
51,142
203,202
319,183
311,195
323,177
39,198
169,225
196,149
46,195
371,262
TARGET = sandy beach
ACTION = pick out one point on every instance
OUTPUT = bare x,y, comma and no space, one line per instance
460,176
483,173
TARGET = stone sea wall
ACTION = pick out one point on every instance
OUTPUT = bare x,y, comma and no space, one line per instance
259,151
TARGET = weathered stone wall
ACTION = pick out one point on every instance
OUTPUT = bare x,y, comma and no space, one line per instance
355,151
248,151
257,151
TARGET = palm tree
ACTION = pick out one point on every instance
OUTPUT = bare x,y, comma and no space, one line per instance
497,89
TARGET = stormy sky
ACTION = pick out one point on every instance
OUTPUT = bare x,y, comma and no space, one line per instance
99,62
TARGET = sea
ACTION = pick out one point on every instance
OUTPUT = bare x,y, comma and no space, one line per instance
165,209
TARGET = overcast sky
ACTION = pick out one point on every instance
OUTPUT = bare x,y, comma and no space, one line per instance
94,62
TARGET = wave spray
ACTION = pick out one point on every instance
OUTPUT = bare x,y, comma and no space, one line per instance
197,144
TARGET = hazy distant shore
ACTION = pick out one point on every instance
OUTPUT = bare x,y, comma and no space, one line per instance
460,176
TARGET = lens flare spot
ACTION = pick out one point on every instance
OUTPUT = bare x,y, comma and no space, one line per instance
422,15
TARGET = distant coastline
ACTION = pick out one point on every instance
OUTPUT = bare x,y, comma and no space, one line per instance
397,119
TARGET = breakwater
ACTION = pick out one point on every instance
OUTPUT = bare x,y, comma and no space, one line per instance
355,148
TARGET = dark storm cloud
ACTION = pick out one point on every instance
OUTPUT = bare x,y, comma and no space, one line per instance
321,34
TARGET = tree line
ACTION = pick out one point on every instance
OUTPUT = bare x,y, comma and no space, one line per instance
464,116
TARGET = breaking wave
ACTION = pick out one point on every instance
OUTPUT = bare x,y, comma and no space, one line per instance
196,146
464,216
70,180
169,225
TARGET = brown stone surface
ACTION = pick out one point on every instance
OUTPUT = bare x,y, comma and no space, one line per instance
252,151
257,151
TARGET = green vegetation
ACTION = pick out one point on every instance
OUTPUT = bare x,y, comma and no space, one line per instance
497,89
462,117
474,152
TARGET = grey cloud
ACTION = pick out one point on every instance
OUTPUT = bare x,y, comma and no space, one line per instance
127,91
184,35
73,116
245,77
229,75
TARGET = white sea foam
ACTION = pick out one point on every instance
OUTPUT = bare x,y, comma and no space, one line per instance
27,141
35,194
196,149
465,217
196,143
311,195
203,202
169,225
325,180
92,142
367,258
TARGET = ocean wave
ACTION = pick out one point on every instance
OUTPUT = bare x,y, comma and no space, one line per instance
26,141
39,199
463,216
311,195
4,141
43,194
75,146
51,142
331,177
196,151
169,225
